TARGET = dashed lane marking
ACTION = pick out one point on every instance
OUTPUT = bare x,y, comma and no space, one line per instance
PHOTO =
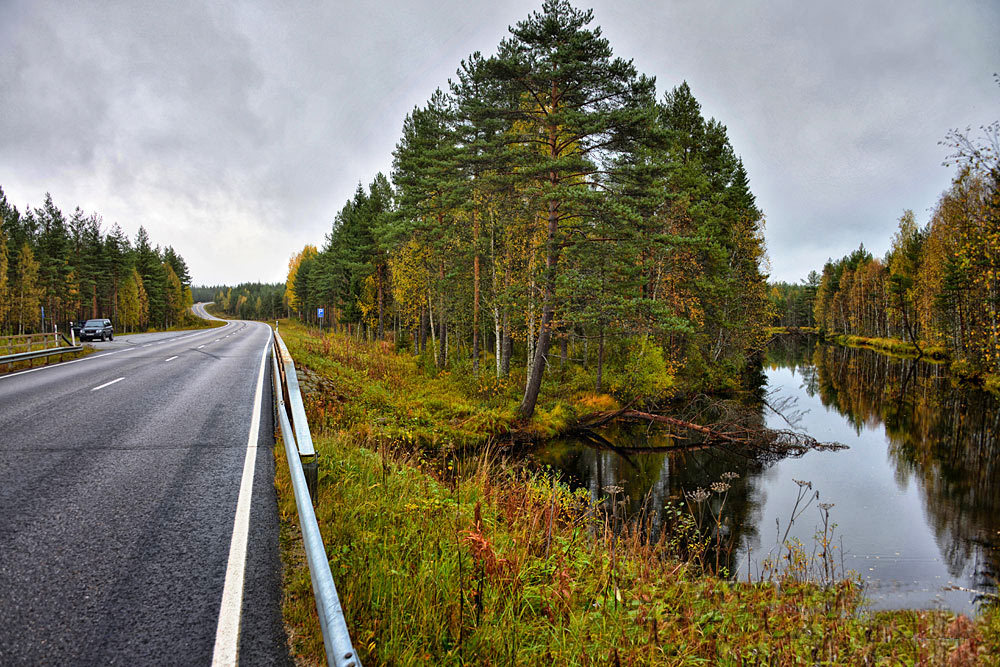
107,384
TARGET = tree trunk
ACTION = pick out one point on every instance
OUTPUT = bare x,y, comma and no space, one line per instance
443,342
378,281
497,337
507,345
529,357
600,359
423,330
534,379
442,328
430,316
475,292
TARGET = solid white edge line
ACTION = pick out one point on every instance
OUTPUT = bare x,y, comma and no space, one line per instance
107,384
227,634
62,363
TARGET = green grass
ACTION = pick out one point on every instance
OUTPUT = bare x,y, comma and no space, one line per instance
388,395
892,346
32,363
440,562
771,331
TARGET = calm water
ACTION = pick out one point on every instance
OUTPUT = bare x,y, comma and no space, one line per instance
916,496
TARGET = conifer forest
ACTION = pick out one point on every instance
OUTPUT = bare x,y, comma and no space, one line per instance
533,394
71,268
548,201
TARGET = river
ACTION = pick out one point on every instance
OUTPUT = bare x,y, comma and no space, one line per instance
915,496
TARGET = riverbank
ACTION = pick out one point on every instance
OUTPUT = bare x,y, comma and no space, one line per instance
442,561
937,354
893,346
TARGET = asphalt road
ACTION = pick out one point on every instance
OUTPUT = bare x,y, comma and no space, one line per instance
119,479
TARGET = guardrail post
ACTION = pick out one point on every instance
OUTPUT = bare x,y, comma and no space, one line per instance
310,468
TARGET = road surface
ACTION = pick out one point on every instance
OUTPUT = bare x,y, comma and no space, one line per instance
120,475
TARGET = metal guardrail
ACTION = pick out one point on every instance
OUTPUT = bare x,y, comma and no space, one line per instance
38,354
295,433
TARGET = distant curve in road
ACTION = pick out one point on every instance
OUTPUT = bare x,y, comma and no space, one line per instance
119,478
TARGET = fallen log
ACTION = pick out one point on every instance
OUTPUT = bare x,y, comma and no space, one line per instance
635,415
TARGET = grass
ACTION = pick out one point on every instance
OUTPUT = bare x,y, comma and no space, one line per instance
41,344
892,346
389,395
772,331
446,560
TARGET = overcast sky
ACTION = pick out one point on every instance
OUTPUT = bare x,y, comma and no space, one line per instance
235,133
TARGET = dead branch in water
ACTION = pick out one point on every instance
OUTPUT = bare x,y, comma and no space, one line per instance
732,424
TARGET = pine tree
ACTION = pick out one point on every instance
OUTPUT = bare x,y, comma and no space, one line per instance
579,109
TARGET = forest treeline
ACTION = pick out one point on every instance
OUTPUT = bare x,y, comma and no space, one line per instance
75,270
547,199
938,286
247,301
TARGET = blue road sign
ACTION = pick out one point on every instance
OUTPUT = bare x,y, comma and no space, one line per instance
319,312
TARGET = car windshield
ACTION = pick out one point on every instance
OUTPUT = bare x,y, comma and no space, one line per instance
94,323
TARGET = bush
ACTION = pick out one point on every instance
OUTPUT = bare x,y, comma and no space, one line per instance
644,375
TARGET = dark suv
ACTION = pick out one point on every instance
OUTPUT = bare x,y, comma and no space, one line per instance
94,329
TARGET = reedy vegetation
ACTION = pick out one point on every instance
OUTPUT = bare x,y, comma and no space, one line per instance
547,198
440,560
76,270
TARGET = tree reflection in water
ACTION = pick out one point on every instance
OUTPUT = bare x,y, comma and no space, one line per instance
941,436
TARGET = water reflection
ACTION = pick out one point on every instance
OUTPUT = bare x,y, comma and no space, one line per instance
649,482
943,437
916,494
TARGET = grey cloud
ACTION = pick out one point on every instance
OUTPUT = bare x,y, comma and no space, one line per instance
234,132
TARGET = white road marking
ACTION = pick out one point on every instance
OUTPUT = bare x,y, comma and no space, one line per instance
200,346
106,384
172,358
227,633
87,358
